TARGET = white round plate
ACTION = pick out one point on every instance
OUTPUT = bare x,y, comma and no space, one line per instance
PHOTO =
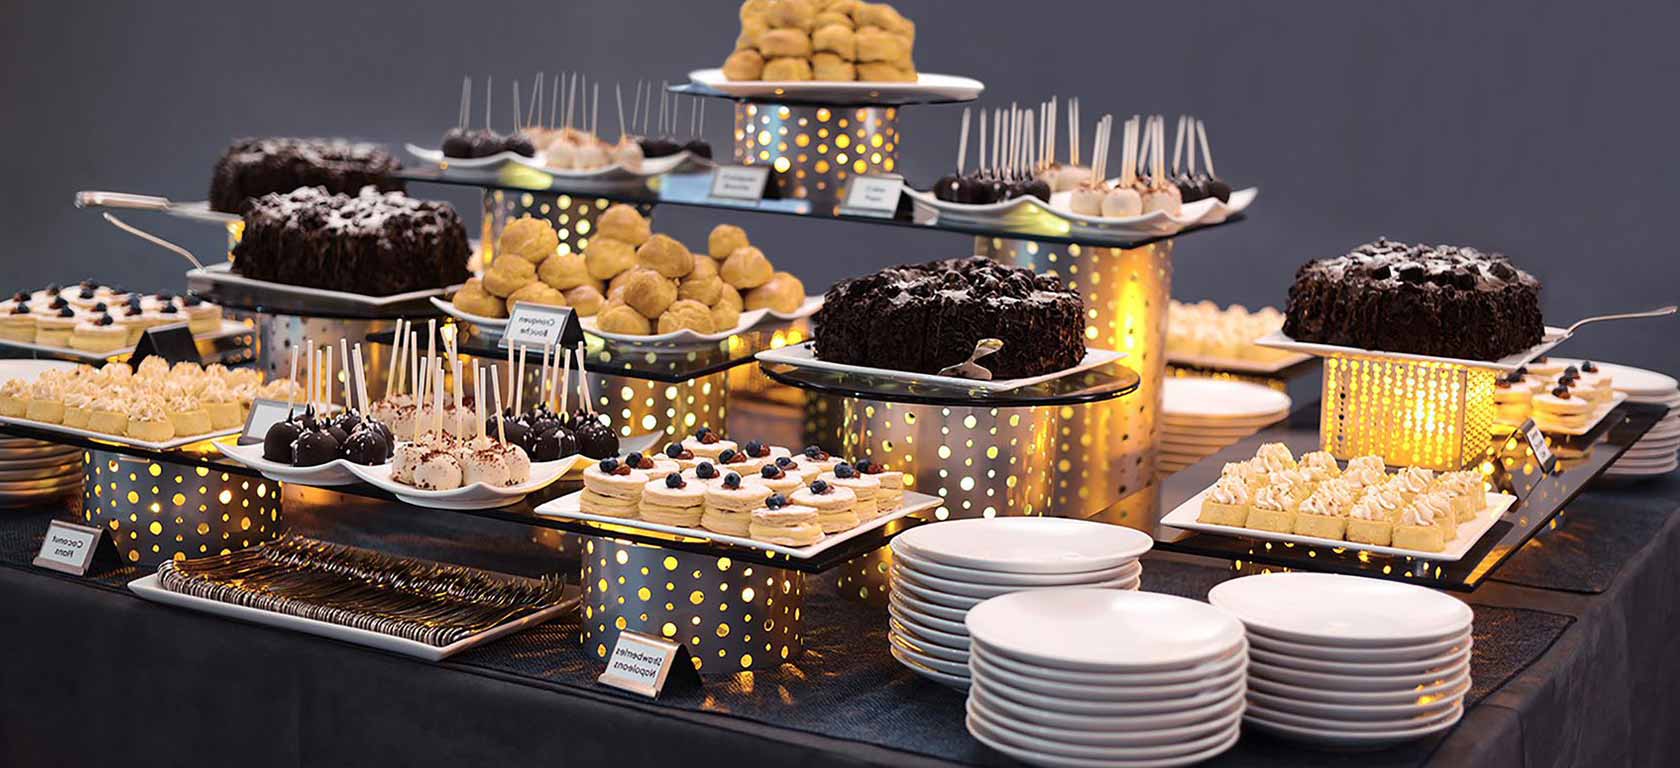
335,472
1613,472
1202,399
1310,664
1041,748
1634,381
954,681
1361,711
1355,683
1215,668
1107,738
1246,423
493,161
1025,715
1141,630
1624,462
1411,653
61,470
906,572
920,607
1360,739
1331,609
1326,696
1177,428
965,602
1025,544
923,629
475,496
1354,726
983,733
939,665
912,645
983,668
922,567
1111,708
1195,444
928,88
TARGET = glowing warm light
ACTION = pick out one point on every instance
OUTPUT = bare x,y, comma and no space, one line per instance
1411,413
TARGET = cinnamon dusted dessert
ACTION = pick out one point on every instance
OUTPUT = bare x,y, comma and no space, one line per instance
924,317
251,168
373,244
1442,300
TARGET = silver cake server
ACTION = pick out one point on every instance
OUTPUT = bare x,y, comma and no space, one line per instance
970,369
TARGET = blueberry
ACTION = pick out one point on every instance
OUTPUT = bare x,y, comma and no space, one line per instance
863,466
1588,366
776,501
813,452
674,450
608,465
732,480
705,471
1560,392
844,470
785,462
755,448
674,480
634,460
819,486
1572,371
772,472
728,456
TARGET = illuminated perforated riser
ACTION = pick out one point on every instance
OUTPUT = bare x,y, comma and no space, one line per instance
1106,451
732,615
573,217
157,511
642,406
1425,414
813,151
274,336
981,462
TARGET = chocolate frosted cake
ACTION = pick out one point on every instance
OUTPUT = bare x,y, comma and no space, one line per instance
1439,300
924,317
252,168
373,244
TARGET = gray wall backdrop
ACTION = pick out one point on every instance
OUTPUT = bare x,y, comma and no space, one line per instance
1541,129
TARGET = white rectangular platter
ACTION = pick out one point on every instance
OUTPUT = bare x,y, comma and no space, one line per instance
1550,338
803,355
147,587
1184,516
120,439
567,507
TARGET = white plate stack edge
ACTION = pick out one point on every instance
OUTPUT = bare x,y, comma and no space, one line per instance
1350,662
941,570
32,471
1201,416
1078,677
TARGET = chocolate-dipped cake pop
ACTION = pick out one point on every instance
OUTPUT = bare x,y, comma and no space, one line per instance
277,442
520,144
595,439
314,447
554,442
698,148
517,431
367,446
1213,185
456,143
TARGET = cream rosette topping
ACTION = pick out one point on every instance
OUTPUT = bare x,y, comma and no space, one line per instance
1413,480
1278,497
1365,471
46,388
1247,472
1230,489
1464,482
1275,456
1333,497
1385,499
1319,466
1427,509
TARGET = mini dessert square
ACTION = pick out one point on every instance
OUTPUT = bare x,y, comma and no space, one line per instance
729,504
612,489
835,506
1226,503
780,522
1273,509
672,500
707,444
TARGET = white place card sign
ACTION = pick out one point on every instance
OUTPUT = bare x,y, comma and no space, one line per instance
71,548
1537,443
646,665
740,182
873,196
540,326
264,414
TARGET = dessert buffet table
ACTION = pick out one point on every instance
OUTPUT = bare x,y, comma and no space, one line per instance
1572,667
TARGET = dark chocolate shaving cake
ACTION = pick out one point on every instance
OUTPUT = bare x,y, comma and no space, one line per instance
252,168
1439,300
924,317
372,244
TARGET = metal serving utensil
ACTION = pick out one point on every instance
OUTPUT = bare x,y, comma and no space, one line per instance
1658,312
970,369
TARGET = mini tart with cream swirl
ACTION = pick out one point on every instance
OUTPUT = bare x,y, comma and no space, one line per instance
1226,503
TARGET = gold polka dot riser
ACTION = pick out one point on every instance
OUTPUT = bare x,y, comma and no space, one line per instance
573,217
1106,451
1411,413
157,511
273,336
731,615
643,406
813,151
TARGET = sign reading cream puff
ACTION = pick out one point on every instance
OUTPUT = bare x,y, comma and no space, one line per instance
646,665
538,326
740,182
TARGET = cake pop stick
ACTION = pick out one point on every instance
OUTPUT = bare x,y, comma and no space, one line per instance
291,388
414,382
361,378
327,378
391,365
1207,154
489,90
618,95
437,396
309,397
980,151
962,143
1178,146
664,90
647,108
496,386
1073,130
583,383
344,358
533,111
554,99
478,400
542,381
702,105
1190,146
419,399
431,344
516,388
466,97
565,383
460,408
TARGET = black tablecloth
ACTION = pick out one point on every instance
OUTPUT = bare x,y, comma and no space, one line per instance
94,676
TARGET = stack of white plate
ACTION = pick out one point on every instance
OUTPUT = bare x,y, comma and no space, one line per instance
33,471
1084,677
1199,417
1347,661
942,570
1655,453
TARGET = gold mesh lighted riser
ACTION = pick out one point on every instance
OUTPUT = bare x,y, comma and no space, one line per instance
813,151
1434,415
157,511
1105,452
275,335
731,615
642,406
981,462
